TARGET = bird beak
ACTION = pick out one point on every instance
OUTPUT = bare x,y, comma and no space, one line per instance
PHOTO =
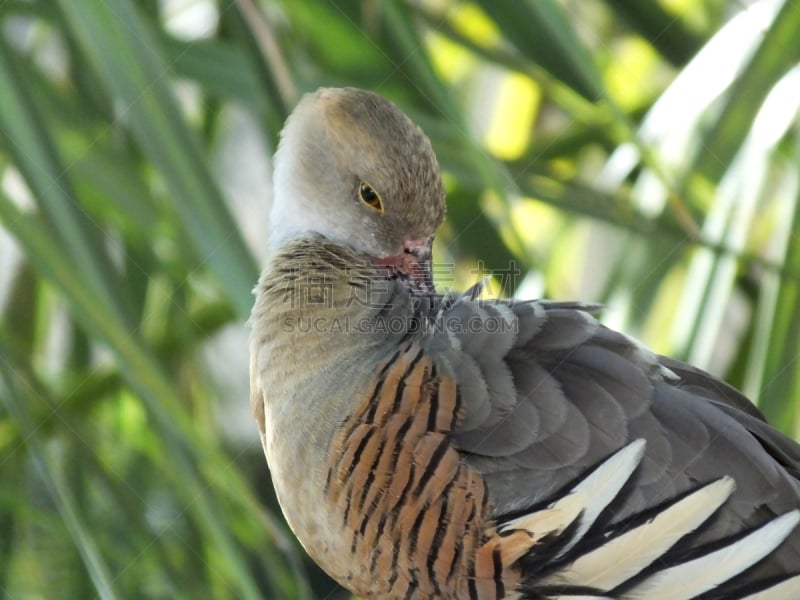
412,266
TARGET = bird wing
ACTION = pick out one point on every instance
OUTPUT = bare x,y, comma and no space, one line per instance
548,393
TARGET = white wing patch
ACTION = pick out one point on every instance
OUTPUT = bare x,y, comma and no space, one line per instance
715,568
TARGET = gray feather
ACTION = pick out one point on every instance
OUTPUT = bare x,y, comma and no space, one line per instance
564,393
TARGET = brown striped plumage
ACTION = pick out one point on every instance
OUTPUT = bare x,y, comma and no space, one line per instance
409,505
427,446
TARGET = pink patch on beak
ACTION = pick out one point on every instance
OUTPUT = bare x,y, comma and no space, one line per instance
412,266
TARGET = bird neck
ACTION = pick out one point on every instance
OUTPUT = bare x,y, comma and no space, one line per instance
328,296
316,314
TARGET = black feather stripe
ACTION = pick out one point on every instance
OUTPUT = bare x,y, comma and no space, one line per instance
402,497
369,417
399,441
413,534
370,480
497,566
433,409
351,466
433,464
442,523
456,410
411,589
377,548
359,451
471,588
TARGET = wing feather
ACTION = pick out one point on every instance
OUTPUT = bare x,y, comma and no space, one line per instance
553,393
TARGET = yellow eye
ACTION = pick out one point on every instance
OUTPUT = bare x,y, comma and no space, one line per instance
370,197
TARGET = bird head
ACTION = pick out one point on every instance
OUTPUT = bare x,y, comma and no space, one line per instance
352,168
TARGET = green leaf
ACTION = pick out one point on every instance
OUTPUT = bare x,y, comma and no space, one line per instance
122,49
35,155
666,32
778,51
15,394
773,372
145,377
221,69
542,33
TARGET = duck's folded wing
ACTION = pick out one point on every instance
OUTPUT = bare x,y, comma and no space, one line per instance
547,394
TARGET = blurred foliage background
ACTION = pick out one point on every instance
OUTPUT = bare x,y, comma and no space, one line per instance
645,155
